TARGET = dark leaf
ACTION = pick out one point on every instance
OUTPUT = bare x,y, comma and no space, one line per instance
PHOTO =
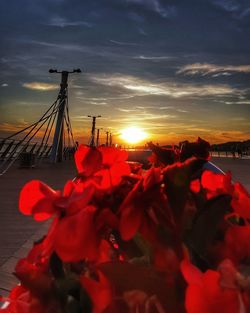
177,179
56,266
125,277
205,226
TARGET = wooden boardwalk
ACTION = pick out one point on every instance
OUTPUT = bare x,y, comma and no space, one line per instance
18,232
240,169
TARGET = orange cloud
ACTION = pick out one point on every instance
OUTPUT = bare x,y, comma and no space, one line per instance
40,86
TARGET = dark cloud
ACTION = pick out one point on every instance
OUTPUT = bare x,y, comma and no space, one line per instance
142,53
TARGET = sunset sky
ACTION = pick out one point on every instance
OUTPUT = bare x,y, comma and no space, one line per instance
176,69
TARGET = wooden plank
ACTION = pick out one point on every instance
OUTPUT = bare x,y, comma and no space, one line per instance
18,232
9,265
7,281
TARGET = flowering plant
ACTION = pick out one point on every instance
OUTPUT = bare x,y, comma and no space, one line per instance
170,239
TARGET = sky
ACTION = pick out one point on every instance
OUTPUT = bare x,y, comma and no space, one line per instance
176,69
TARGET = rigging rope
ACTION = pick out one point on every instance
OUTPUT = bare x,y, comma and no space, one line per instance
26,143
40,120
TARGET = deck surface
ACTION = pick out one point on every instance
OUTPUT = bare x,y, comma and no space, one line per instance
18,232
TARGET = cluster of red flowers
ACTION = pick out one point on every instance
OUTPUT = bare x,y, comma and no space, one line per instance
170,239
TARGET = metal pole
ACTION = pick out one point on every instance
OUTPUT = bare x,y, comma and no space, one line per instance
92,139
57,146
107,139
98,137
110,139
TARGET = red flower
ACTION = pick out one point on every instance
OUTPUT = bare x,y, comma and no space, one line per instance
88,160
237,244
33,277
217,184
21,300
75,237
46,202
36,198
114,166
205,294
141,208
105,162
79,236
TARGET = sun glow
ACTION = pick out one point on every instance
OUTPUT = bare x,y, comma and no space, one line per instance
133,135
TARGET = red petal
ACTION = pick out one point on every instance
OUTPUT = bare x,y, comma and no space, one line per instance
88,160
112,177
79,197
76,238
210,297
153,176
106,218
217,184
113,155
68,188
130,221
33,277
105,252
99,292
237,241
191,273
228,274
195,186
194,301
118,170
37,198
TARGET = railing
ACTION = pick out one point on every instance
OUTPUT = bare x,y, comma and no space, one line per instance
230,154
10,149
13,150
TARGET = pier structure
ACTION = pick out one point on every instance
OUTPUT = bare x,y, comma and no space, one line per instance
31,145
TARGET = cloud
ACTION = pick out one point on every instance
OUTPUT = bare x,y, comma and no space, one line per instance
71,47
4,85
206,68
155,6
153,58
122,43
104,104
140,87
62,22
237,9
127,110
238,102
40,86
144,117
13,127
228,5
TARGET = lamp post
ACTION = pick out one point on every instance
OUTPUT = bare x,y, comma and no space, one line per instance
110,139
98,136
92,138
107,138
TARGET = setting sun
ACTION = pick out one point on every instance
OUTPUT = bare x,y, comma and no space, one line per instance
133,135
